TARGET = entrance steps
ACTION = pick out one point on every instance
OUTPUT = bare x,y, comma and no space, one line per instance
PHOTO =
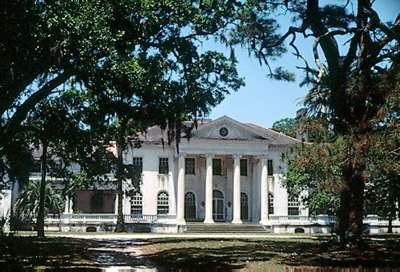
224,228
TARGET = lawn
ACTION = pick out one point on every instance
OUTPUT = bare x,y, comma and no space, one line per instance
192,254
268,254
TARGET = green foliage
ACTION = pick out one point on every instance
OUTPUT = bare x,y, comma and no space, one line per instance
3,222
383,188
27,204
287,126
316,168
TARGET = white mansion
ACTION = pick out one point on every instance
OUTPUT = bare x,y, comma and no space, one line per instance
228,174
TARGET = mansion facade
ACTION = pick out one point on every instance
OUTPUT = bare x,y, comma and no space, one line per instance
228,173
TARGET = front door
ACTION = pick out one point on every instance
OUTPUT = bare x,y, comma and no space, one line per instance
244,207
190,206
218,206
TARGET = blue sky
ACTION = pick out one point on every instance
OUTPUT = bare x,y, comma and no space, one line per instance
263,100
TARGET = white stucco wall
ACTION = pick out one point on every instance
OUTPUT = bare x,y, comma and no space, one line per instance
153,182
5,204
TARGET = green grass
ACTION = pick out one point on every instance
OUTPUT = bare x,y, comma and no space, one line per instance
24,253
257,254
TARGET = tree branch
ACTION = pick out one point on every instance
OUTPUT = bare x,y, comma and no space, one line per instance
22,111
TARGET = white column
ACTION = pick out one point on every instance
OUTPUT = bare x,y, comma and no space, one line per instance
263,191
180,212
67,203
209,191
116,204
236,190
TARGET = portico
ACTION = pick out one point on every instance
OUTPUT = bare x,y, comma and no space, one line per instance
231,197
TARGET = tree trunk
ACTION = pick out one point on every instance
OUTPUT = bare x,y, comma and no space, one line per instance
12,212
42,192
120,170
342,217
350,214
356,207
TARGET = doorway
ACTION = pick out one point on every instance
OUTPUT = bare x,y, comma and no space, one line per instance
244,207
190,206
218,206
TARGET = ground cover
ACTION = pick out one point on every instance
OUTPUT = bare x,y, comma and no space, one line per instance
83,253
264,254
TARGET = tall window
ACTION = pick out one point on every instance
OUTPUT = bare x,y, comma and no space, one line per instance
190,166
163,167
270,166
243,167
137,204
244,206
190,205
217,167
293,205
270,203
162,203
137,163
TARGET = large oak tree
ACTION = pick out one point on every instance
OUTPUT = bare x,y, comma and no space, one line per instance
345,81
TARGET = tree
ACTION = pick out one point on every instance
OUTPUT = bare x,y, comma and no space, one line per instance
56,41
28,202
137,94
287,126
85,44
49,128
345,82
383,188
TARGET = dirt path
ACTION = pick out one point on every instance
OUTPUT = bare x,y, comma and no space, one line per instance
118,253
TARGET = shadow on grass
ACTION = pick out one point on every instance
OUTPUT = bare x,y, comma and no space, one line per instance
218,254
210,254
25,253
62,254
190,254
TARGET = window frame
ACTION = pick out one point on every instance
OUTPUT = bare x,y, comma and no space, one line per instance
162,203
140,165
163,169
271,208
270,167
136,202
193,169
293,205
214,165
244,163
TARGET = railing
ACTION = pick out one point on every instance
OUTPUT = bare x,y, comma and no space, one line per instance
288,218
90,218
301,219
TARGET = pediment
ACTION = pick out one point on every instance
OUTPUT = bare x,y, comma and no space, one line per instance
225,128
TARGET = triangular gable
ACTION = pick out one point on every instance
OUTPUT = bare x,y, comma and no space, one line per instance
227,128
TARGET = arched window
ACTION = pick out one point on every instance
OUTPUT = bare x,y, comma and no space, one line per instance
244,206
137,204
162,203
218,194
190,205
293,205
270,203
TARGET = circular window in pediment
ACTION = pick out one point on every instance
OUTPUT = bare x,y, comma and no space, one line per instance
223,132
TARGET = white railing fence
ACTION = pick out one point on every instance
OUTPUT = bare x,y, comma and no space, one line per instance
92,218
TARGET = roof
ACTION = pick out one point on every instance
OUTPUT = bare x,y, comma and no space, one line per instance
275,137
155,135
